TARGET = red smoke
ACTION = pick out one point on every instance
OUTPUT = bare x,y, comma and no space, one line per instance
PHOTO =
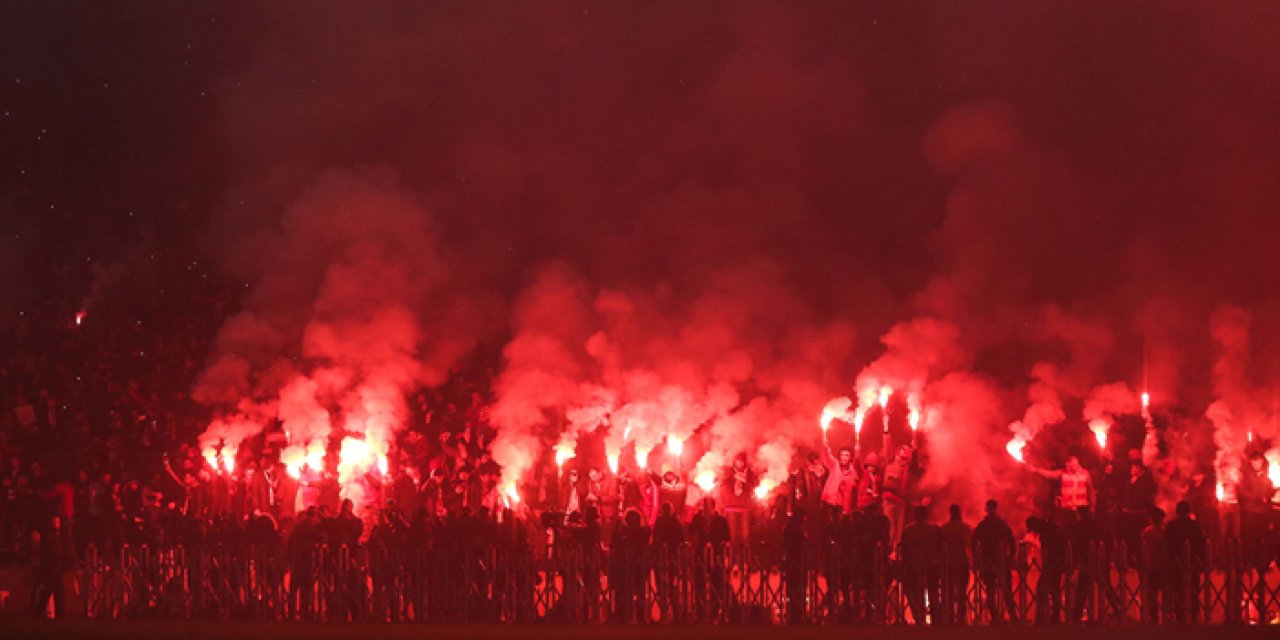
709,221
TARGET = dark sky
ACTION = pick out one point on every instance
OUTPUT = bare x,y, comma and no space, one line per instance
1116,161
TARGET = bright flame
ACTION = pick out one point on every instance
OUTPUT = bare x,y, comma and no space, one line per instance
1273,467
642,458
885,392
1015,447
1220,492
80,317
706,480
356,457
835,409
563,454
1099,428
675,446
211,457
762,490
1146,400
293,458
913,412
512,493
315,455
228,456
612,459
858,417
384,467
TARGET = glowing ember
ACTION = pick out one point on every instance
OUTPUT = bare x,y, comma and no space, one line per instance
706,480
675,446
642,458
612,459
1015,447
1099,428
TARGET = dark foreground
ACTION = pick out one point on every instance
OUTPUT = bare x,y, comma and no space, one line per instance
245,631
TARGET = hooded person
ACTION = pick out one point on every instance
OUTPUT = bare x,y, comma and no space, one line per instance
870,483
895,491
672,490
737,497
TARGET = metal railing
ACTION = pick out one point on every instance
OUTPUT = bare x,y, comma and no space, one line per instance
1101,584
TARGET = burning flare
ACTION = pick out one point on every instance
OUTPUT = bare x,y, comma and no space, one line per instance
1100,427
564,453
1015,447
642,458
836,409
675,446
763,489
228,456
706,480
913,412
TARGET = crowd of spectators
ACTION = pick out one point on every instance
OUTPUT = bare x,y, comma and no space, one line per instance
97,433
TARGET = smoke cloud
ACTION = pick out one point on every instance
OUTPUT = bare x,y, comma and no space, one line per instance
708,222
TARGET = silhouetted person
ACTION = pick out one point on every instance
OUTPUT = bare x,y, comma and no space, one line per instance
993,552
708,535
668,536
1054,562
629,572
921,549
1090,562
871,558
956,538
1185,543
53,553
1152,562
794,566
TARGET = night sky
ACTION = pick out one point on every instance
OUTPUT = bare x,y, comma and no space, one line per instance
1077,182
